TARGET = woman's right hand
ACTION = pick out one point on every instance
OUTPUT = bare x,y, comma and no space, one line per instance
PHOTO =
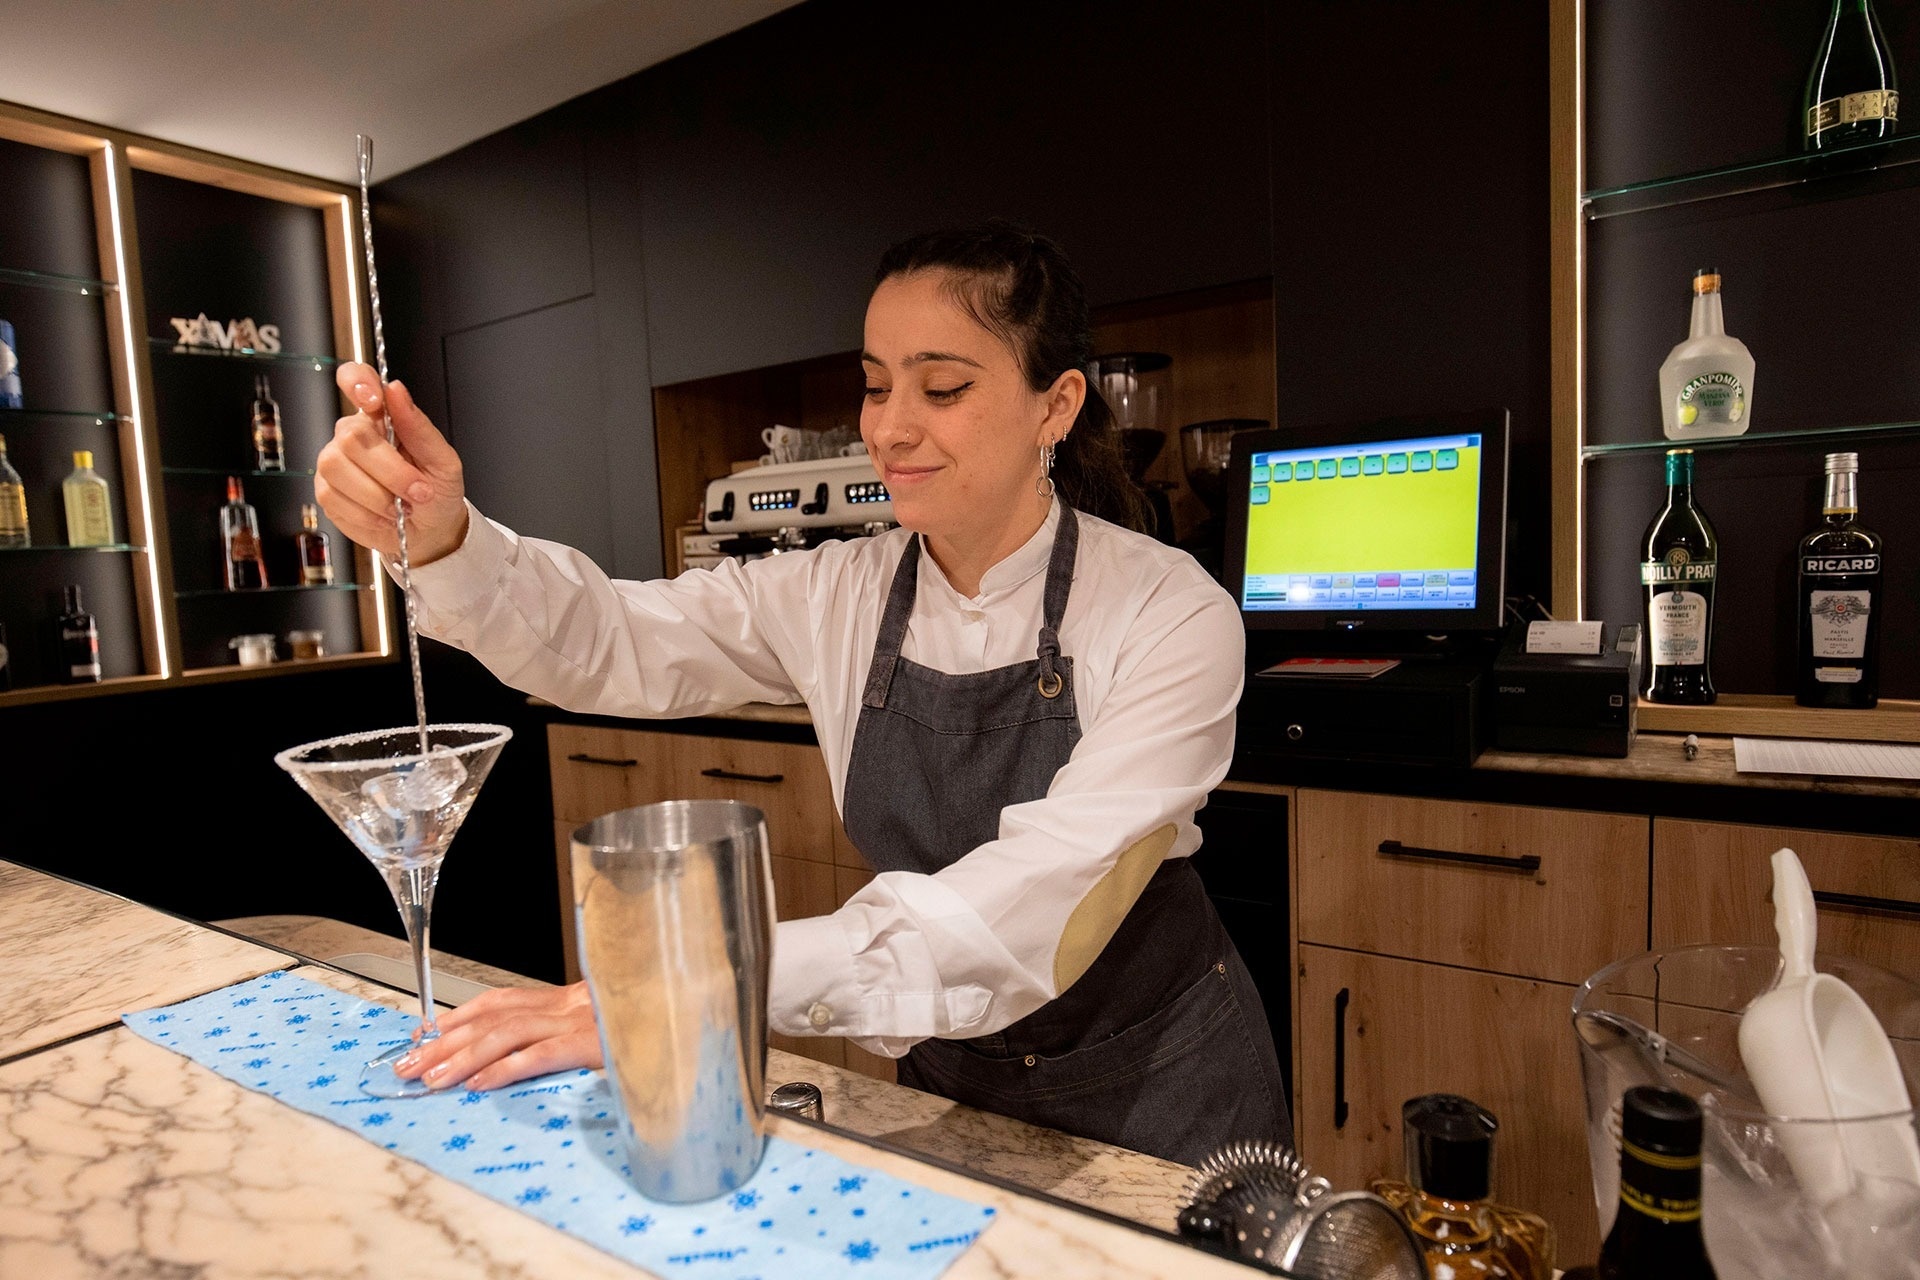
508,1034
359,474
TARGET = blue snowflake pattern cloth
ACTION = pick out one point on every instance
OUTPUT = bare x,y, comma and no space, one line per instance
550,1147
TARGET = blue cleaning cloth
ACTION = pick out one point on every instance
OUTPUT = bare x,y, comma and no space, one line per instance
550,1147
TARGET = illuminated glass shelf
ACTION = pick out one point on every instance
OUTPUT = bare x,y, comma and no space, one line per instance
59,283
209,593
1756,175
61,546
168,346
229,471
1756,439
100,417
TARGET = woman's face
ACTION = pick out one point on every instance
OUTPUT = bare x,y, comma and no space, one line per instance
949,420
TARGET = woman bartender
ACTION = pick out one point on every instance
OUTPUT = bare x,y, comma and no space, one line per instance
1021,702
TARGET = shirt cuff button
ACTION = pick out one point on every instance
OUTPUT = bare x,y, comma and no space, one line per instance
820,1016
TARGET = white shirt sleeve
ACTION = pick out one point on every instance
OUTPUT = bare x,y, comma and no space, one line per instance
970,949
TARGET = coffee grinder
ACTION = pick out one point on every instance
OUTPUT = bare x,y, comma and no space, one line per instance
1132,383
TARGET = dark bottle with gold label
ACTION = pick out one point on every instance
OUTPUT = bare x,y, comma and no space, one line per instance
1679,564
1656,1227
1852,94
1839,599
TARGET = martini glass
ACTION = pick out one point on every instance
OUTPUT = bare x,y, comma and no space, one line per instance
400,795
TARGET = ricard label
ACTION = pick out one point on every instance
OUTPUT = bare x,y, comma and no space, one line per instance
1838,566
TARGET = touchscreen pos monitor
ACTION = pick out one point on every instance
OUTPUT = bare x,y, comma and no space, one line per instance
1393,526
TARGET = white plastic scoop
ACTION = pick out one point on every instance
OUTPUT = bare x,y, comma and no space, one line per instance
1815,1051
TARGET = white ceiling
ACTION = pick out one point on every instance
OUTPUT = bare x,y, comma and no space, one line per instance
291,82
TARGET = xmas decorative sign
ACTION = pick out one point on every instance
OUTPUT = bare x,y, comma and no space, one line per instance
234,335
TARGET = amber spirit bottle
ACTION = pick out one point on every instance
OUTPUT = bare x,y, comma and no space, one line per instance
269,444
240,541
1679,563
1852,94
13,504
89,512
1446,1197
1839,599
1656,1227
316,549
79,641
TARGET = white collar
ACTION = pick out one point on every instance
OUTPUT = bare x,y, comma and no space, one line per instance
1030,558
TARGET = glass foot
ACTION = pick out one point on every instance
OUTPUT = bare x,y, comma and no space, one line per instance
377,1076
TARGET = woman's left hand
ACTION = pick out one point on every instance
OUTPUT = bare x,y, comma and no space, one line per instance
508,1034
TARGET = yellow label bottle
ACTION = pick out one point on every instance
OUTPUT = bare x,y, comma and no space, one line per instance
89,511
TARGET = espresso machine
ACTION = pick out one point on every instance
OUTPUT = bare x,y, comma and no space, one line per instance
789,506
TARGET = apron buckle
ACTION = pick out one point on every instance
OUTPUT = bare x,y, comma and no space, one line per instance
1050,690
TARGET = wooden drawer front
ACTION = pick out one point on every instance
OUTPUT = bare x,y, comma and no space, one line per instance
787,781
597,771
1404,1029
1583,906
1713,882
569,938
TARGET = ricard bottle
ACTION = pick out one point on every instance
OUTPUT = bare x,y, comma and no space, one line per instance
1706,382
1852,94
1679,563
1839,599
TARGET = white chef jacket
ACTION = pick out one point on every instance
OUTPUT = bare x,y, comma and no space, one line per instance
1157,649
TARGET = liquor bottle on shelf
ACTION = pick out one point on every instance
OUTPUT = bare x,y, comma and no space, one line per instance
316,549
1656,1227
1852,94
1839,599
1706,382
89,513
13,504
1446,1196
1679,563
269,444
79,640
10,397
240,541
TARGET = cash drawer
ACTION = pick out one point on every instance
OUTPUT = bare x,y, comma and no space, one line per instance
1541,893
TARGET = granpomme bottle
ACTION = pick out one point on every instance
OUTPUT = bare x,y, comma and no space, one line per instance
1706,382
1679,568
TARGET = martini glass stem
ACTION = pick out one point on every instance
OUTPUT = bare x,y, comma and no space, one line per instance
413,892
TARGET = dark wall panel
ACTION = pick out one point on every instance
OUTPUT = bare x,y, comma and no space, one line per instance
530,432
1410,226
510,229
46,212
779,162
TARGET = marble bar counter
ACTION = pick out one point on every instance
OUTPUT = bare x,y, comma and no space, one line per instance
118,1157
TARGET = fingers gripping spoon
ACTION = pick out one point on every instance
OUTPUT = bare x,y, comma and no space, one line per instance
1816,1052
364,146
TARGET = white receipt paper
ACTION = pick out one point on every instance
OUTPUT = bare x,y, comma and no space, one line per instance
1827,759
1564,637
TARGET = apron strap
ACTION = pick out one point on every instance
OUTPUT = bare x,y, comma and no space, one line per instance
1066,544
893,625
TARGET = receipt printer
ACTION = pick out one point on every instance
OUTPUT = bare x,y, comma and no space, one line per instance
1567,687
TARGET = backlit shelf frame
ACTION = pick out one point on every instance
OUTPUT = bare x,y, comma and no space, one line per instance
112,157
1767,715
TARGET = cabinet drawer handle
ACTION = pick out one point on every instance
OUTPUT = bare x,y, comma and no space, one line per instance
581,757
1340,1059
1861,902
731,776
1528,863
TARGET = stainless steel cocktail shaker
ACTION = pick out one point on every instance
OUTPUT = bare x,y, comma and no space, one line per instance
674,905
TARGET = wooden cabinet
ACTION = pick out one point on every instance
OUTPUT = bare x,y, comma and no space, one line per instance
1440,943
1376,1031
140,340
597,770
1713,882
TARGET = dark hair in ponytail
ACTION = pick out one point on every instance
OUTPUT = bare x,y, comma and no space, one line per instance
1019,285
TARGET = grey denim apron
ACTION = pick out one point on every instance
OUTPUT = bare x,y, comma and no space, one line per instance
1162,1046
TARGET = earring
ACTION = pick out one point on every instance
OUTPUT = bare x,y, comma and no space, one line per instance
1044,485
